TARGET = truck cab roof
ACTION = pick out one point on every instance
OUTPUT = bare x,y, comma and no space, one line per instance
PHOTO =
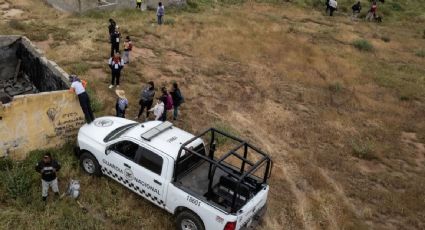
168,140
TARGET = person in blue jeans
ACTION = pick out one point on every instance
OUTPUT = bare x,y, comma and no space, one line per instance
160,13
177,99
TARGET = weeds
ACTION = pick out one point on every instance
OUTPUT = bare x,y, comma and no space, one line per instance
363,149
95,103
335,87
363,45
420,53
79,68
385,39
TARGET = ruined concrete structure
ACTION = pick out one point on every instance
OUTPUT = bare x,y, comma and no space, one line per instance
84,5
36,109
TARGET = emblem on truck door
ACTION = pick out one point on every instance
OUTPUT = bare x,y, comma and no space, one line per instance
128,174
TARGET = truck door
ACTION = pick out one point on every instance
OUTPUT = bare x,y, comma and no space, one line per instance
118,162
149,174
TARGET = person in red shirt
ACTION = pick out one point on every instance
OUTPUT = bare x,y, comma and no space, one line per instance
372,12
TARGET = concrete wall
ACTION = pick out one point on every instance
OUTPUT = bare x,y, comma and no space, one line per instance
42,120
38,121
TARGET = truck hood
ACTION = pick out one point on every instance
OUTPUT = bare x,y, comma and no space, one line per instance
102,126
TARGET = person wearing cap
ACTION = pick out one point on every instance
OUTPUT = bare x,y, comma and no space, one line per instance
122,103
115,41
48,167
78,87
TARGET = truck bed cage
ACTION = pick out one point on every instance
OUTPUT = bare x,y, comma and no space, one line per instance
214,163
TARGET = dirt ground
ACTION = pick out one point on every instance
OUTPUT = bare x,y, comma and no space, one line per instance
345,127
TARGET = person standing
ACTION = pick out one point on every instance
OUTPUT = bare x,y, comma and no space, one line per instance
128,46
48,167
78,87
160,11
111,28
116,64
327,6
372,12
139,4
168,101
332,7
115,41
146,99
356,10
122,103
177,99
159,110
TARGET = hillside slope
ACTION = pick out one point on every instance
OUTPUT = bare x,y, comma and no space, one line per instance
343,122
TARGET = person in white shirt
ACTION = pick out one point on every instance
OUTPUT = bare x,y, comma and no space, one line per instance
78,87
160,11
332,7
158,110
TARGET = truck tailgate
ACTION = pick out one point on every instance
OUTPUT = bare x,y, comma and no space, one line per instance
252,208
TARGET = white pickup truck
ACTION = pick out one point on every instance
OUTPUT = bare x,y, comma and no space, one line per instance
187,175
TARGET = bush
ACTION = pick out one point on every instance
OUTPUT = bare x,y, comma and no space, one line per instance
385,39
363,45
17,24
420,53
17,182
169,21
5,164
335,87
363,150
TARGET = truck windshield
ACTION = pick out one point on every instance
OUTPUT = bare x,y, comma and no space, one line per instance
118,132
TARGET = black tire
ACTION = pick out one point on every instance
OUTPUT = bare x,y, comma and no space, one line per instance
188,219
89,164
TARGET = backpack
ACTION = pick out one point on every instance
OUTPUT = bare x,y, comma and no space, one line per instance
169,104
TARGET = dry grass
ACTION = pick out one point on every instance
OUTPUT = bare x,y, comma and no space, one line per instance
284,77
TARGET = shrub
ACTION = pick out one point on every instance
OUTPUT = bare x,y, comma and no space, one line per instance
79,68
17,182
363,149
363,45
420,53
385,39
17,24
335,87
169,21
5,164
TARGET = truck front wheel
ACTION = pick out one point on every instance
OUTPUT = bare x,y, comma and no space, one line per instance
187,220
89,164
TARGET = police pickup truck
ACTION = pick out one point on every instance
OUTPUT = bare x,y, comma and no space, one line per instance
190,176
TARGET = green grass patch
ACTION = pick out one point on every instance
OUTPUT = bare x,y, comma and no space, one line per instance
420,53
363,45
95,103
363,149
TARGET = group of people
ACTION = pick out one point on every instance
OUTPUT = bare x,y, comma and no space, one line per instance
332,6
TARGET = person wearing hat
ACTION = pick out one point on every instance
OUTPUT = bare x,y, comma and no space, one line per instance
78,87
122,103
48,167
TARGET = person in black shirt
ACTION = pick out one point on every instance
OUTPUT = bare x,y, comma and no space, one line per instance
48,168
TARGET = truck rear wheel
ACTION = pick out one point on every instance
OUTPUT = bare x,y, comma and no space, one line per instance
90,164
187,220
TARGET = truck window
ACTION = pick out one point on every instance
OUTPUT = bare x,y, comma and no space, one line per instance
150,161
127,149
